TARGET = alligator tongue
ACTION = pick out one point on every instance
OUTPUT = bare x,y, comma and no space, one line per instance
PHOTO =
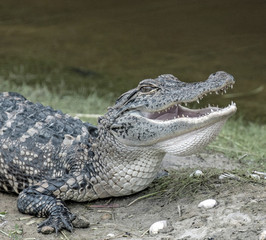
168,114
192,113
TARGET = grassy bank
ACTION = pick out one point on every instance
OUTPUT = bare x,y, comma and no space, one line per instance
60,97
244,141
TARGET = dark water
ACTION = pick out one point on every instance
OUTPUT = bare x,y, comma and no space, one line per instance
112,45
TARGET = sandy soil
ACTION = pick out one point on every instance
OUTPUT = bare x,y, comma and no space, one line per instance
240,213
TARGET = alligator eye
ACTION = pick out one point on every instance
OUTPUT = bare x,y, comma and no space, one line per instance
146,89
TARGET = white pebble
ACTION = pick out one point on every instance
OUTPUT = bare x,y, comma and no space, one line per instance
197,173
208,203
260,173
110,235
263,235
255,176
157,226
228,175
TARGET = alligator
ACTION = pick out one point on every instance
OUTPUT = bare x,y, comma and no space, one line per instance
48,157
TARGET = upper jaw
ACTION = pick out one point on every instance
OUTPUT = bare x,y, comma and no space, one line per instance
175,110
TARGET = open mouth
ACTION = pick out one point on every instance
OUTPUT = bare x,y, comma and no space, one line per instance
176,110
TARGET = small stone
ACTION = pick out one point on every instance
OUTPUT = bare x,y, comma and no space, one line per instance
47,230
110,235
208,203
263,235
81,222
157,226
255,176
197,173
228,176
106,216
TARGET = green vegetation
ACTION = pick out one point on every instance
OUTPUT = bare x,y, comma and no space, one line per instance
15,233
245,141
181,184
20,79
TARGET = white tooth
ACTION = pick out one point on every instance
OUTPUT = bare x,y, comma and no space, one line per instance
216,92
212,110
224,90
185,104
231,86
183,115
197,100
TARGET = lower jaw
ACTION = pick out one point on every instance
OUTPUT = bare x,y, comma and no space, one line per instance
191,142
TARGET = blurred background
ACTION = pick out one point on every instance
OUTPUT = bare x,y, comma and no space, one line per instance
81,55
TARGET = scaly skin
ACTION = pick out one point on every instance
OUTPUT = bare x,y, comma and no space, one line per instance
48,157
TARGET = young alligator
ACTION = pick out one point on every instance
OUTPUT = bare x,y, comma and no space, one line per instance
48,157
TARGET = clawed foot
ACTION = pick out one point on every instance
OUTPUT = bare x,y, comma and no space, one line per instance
56,222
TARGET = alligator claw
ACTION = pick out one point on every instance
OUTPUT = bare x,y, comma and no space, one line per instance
57,222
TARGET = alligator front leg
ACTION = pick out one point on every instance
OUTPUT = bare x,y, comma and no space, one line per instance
34,203
45,200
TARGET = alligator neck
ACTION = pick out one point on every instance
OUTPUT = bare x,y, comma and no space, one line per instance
125,169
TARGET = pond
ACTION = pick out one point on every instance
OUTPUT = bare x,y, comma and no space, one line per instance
111,45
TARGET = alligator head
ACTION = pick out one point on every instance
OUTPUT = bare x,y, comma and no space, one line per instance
154,114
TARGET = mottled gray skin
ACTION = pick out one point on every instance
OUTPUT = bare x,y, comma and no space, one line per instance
48,157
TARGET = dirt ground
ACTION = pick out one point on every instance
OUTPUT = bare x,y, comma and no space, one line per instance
240,213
